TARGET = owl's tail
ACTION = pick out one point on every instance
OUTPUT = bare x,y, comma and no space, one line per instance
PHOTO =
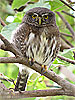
22,80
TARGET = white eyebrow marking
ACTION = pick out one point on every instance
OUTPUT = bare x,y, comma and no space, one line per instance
44,14
36,14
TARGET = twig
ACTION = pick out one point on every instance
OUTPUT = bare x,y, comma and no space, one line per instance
67,24
2,22
67,5
66,41
66,59
74,54
51,86
8,80
66,34
64,45
68,14
71,2
23,7
2,87
58,8
10,2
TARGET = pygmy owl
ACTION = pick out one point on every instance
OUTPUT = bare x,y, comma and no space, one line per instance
37,37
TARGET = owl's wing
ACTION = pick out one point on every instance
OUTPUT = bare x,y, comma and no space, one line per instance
17,39
18,36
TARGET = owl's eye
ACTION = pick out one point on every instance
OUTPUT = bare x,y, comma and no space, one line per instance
34,16
45,16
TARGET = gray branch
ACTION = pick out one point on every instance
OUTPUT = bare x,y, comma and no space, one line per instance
67,24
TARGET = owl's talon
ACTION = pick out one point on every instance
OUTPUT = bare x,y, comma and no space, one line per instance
43,69
20,91
12,91
44,72
31,61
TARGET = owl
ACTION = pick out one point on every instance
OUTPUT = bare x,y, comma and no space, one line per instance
38,39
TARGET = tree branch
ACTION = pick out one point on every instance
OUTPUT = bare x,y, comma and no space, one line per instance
23,7
64,45
67,24
2,22
67,41
66,59
49,74
65,34
68,14
67,5
34,93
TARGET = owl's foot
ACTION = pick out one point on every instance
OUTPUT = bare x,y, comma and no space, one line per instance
43,69
31,61
12,91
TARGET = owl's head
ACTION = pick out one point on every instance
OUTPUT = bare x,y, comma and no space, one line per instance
39,16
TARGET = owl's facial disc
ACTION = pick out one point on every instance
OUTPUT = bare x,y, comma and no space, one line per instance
40,19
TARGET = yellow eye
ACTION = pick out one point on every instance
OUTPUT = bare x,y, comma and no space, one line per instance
34,16
45,16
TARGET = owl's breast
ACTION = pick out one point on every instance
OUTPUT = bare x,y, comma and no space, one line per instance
41,48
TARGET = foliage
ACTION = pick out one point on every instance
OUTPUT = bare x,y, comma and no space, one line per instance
8,29
36,81
18,3
55,4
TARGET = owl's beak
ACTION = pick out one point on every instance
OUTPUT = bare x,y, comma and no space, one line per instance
39,20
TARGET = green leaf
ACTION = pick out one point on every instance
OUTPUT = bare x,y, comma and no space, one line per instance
18,3
19,17
7,30
41,3
55,4
55,61
68,53
41,85
33,0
